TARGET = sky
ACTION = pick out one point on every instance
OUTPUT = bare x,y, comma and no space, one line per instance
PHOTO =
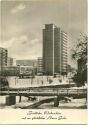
22,22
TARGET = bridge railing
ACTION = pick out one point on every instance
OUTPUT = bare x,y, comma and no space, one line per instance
54,91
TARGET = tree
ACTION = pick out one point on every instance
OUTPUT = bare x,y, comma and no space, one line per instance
80,54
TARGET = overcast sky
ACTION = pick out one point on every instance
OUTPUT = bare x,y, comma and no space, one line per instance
22,23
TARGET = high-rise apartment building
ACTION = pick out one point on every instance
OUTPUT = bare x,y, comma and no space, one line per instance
54,50
3,58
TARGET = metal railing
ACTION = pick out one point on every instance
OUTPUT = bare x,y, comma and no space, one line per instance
54,91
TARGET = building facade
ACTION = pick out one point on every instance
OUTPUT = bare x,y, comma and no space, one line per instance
40,65
11,71
10,61
27,63
3,58
54,50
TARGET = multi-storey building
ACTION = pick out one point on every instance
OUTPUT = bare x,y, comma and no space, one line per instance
3,58
40,65
54,50
64,59
11,70
10,61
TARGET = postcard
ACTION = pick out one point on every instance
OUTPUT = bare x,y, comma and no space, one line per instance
43,62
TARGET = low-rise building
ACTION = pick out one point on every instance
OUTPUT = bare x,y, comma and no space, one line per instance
11,70
27,62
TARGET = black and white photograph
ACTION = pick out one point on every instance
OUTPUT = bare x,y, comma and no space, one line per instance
43,54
